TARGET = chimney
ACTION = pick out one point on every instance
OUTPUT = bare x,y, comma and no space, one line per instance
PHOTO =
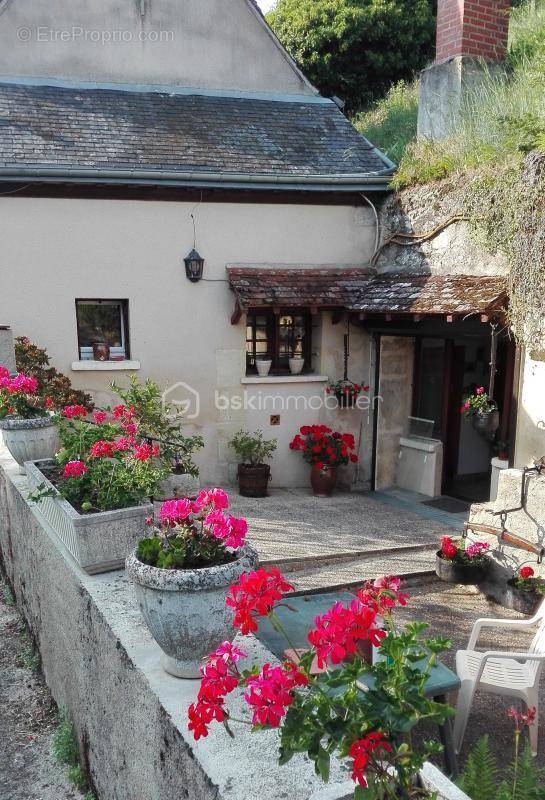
471,37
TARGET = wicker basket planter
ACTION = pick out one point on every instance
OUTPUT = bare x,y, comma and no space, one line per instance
99,542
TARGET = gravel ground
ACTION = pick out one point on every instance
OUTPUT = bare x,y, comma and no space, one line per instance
451,611
27,718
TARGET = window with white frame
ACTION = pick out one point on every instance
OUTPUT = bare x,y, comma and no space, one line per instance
103,323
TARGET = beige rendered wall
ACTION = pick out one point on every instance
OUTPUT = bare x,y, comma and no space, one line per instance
210,44
53,251
530,441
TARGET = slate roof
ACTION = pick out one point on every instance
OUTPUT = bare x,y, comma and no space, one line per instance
61,129
361,291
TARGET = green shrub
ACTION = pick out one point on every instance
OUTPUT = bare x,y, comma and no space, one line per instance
356,49
252,448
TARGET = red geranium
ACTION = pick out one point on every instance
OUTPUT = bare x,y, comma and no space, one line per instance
526,572
255,596
321,445
448,548
339,630
362,751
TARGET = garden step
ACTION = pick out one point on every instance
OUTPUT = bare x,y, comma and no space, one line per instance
408,563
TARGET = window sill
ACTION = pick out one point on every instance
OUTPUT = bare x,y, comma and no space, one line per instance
250,379
104,366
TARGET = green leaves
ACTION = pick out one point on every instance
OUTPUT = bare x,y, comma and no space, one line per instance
356,49
252,448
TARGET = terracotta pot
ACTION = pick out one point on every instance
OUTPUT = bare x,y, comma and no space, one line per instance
323,480
101,351
253,481
458,573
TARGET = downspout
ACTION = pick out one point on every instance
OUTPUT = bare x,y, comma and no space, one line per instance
376,387
377,224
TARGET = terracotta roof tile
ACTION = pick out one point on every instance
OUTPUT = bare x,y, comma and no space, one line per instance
359,290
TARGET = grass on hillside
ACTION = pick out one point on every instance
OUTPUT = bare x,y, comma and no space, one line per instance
502,118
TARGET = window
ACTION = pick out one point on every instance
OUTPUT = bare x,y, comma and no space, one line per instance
103,322
278,337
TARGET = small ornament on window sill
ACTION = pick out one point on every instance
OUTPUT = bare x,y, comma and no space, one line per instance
101,351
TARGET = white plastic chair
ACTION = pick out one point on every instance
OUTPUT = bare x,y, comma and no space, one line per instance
511,674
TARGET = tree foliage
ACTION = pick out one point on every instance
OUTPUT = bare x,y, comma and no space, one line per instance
356,49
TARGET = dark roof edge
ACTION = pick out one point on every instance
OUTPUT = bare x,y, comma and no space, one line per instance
330,183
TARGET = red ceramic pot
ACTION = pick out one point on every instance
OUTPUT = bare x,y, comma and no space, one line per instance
101,351
323,480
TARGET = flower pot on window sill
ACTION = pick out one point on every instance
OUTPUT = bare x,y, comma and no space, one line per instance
263,367
99,542
185,608
253,480
323,480
296,365
451,572
101,351
30,439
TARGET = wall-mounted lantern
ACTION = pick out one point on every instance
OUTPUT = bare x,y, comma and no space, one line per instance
194,265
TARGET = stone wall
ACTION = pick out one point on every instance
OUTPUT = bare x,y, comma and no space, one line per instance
7,350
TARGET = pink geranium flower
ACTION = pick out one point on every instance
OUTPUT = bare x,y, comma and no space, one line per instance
270,693
99,417
74,469
175,511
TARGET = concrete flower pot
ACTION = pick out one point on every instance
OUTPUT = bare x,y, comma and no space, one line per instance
99,542
296,365
517,600
263,366
430,778
185,609
30,439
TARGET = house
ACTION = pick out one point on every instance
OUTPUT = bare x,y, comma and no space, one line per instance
135,137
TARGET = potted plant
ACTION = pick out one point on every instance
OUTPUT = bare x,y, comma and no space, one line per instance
28,428
328,700
161,424
182,573
263,366
325,450
252,450
524,591
482,410
346,392
96,494
459,562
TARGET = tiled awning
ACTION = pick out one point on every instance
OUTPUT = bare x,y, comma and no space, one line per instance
327,287
459,295
362,292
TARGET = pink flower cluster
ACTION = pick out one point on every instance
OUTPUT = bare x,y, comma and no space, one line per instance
477,549
522,719
338,631
255,596
145,451
20,384
271,693
74,412
74,469
219,678
208,507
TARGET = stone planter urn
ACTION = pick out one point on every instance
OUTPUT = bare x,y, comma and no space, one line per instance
451,572
323,480
30,439
185,609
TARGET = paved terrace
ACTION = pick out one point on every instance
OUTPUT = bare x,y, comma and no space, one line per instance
345,539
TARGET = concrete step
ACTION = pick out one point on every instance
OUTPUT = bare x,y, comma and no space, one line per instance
411,564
